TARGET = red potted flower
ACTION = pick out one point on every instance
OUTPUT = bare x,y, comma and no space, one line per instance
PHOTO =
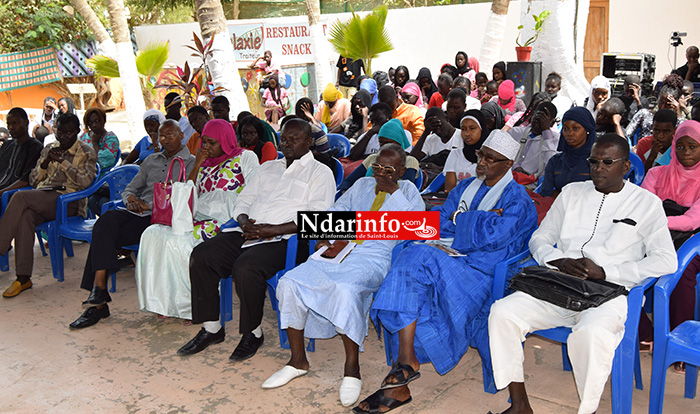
523,51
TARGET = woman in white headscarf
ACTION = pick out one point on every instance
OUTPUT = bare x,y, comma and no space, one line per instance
148,144
600,92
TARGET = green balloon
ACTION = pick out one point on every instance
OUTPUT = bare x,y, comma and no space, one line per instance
304,79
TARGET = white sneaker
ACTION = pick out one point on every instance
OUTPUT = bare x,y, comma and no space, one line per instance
283,376
350,390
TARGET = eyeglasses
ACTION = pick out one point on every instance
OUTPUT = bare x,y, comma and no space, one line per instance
489,158
169,136
607,161
383,169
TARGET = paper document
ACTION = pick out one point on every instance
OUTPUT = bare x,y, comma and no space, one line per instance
319,254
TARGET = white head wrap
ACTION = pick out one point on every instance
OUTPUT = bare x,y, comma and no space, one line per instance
154,115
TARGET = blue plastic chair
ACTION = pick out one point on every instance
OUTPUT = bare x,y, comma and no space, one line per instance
280,155
637,168
78,228
683,343
4,260
435,185
341,143
539,184
339,173
418,181
626,364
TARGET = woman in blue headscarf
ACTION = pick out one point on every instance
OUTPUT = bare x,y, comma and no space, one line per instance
370,85
391,132
577,138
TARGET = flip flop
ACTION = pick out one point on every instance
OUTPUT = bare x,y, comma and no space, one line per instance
398,372
377,400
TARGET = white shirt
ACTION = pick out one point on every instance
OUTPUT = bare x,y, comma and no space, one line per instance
433,143
458,164
277,192
580,223
530,158
472,103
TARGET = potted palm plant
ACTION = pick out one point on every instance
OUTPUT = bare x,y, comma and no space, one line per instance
524,50
362,38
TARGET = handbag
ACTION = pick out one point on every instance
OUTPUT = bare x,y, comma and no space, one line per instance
162,194
564,290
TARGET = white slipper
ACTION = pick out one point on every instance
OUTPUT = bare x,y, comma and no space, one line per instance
283,376
350,390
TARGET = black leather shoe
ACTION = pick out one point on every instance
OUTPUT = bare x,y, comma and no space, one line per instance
247,347
202,340
97,297
91,316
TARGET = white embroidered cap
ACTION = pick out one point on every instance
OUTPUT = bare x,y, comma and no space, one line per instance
501,142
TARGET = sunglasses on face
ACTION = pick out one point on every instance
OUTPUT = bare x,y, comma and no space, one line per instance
608,161
489,158
383,169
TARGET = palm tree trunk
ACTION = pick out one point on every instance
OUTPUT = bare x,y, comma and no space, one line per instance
94,23
319,45
131,84
493,37
222,59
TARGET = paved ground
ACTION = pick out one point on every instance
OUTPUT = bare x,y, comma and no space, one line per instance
127,364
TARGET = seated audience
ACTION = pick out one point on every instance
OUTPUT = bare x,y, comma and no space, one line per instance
409,115
304,109
391,131
412,95
455,106
48,117
686,97
466,85
18,156
173,105
303,292
461,163
552,86
66,106
382,78
450,70
650,149
523,119
506,99
252,134
5,135
444,86
220,172
105,143
499,72
678,186
691,69
436,305
65,166
198,117
427,85
275,98
220,108
582,236
334,109
479,92
266,65
538,143
463,68
439,135
152,119
370,85
570,165
400,78
356,124
632,99
117,228
266,208
608,118
495,115
669,94
368,142
600,92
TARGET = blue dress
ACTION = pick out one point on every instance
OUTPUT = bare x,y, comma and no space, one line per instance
450,297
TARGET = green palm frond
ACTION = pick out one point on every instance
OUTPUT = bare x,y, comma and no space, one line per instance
362,38
103,66
151,59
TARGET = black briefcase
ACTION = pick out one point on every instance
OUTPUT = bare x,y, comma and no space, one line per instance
564,290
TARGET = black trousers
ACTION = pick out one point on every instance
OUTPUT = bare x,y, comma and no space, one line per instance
113,230
250,267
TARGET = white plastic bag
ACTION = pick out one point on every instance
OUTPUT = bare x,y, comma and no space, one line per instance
182,222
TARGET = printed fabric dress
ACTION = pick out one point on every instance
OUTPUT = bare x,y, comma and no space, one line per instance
162,265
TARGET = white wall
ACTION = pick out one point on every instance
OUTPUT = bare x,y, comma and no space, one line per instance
452,28
646,26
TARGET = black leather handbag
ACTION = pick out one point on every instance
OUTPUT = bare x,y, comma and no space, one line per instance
564,290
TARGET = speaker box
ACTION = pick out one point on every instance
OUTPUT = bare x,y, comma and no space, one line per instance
527,77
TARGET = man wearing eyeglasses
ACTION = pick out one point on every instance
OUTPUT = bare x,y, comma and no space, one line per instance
606,228
434,303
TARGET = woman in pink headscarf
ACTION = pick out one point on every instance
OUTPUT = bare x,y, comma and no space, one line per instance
678,185
162,267
412,95
506,99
